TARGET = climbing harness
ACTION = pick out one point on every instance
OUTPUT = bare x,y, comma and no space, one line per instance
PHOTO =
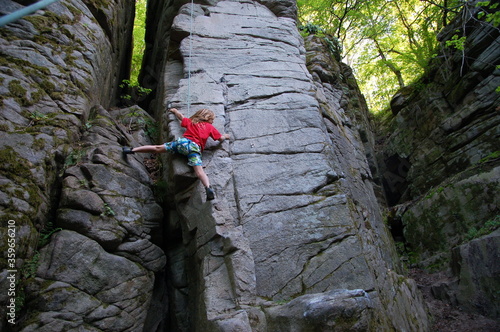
9,18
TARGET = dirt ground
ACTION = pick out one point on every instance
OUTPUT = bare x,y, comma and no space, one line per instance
447,318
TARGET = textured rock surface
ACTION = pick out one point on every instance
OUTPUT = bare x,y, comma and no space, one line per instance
476,272
81,286
441,162
330,311
448,122
105,266
61,166
296,219
296,212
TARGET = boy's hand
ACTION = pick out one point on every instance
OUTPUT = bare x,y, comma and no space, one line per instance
177,113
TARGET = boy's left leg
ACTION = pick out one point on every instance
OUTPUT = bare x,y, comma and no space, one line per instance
145,149
200,173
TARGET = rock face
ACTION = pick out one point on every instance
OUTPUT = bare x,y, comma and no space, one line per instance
441,165
296,213
295,238
475,285
62,168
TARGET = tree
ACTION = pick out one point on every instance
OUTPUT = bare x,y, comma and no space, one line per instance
388,43
138,40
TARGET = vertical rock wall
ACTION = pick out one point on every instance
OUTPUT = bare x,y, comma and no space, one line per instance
441,162
84,259
296,216
294,240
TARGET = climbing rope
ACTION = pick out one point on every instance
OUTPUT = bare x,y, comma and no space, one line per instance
14,16
189,59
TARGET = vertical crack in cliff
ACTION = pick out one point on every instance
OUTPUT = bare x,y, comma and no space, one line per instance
101,18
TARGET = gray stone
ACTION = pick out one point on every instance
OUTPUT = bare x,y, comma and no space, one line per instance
336,310
293,182
56,64
440,163
92,286
475,264
431,223
144,252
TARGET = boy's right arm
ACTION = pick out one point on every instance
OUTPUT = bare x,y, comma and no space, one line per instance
177,113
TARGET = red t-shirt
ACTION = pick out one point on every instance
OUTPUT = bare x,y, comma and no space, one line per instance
199,132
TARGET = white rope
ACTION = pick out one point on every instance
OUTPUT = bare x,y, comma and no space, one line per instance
4,20
189,59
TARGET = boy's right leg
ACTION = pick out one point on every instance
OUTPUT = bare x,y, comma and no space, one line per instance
150,149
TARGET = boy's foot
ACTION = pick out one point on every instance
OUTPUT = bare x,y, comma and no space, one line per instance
210,193
127,150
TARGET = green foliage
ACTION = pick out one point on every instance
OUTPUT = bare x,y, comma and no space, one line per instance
334,45
135,117
87,125
488,227
30,266
127,84
27,272
387,43
133,91
311,29
108,211
493,18
151,128
37,117
407,256
283,301
493,155
456,42
434,191
139,44
73,158
46,233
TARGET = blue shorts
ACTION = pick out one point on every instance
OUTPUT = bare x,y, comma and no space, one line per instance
187,148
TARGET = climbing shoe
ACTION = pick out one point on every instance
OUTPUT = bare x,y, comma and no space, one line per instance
127,150
210,193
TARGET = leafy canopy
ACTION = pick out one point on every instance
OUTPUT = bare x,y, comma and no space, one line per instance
139,44
388,43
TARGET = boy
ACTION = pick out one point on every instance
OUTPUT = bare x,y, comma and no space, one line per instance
198,129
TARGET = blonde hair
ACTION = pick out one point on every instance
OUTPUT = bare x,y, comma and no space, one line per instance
203,115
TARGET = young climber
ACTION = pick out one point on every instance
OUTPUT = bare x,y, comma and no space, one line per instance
198,129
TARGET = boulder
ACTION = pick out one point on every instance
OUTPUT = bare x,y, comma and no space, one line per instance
81,286
474,282
336,310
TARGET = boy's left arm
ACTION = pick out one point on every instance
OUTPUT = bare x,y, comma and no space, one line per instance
224,137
